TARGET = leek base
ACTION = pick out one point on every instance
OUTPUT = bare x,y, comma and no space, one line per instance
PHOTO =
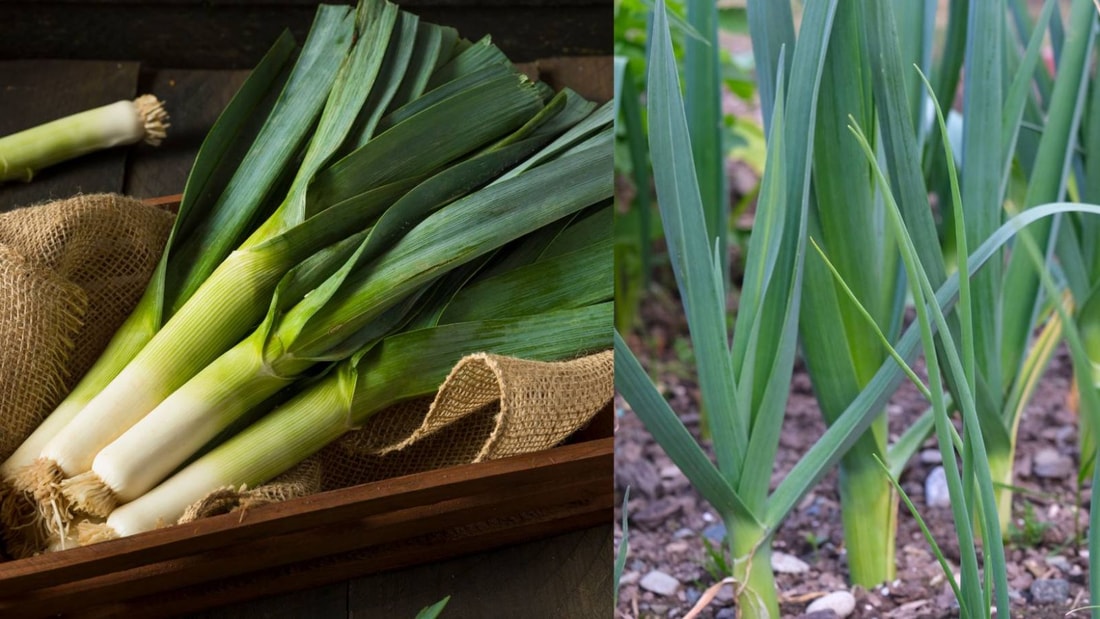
88,493
41,480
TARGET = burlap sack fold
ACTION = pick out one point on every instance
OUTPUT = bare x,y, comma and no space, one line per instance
71,271
490,406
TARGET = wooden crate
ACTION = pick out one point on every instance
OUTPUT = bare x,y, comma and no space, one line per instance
323,538
337,535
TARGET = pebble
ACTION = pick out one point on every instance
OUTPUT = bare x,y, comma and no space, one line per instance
670,471
931,456
660,583
683,533
725,594
629,578
692,595
841,603
1052,464
725,613
676,547
819,614
715,532
1049,591
784,563
935,489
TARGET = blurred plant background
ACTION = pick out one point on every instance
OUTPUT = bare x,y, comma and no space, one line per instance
739,142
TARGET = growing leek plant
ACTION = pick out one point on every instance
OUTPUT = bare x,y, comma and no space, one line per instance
870,77
744,383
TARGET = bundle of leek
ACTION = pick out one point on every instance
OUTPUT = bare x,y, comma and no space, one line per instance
349,248
361,302
556,307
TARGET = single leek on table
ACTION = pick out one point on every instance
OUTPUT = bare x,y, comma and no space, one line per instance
122,122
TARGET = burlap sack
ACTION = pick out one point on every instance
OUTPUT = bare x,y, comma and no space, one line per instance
488,407
71,271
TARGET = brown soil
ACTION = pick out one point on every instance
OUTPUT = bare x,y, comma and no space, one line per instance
669,521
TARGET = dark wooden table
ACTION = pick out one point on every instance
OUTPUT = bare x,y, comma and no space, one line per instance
564,577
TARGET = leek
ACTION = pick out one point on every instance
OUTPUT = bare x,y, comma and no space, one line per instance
119,123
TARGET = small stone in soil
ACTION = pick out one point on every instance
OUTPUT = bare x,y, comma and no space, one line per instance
1049,591
931,456
656,513
715,532
692,596
683,533
660,583
1051,464
935,489
725,594
784,563
629,578
819,614
841,603
1059,562
676,547
725,613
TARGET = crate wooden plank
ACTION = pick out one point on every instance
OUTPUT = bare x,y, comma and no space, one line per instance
33,92
194,99
209,569
320,510
502,506
301,546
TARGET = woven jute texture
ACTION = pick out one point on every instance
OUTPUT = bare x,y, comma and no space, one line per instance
71,271
489,407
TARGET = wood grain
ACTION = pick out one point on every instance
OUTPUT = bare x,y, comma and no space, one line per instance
204,35
33,92
194,99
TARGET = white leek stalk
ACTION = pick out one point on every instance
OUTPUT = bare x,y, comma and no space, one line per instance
123,122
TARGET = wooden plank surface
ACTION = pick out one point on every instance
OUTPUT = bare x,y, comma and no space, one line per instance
33,92
566,576
198,34
193,99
